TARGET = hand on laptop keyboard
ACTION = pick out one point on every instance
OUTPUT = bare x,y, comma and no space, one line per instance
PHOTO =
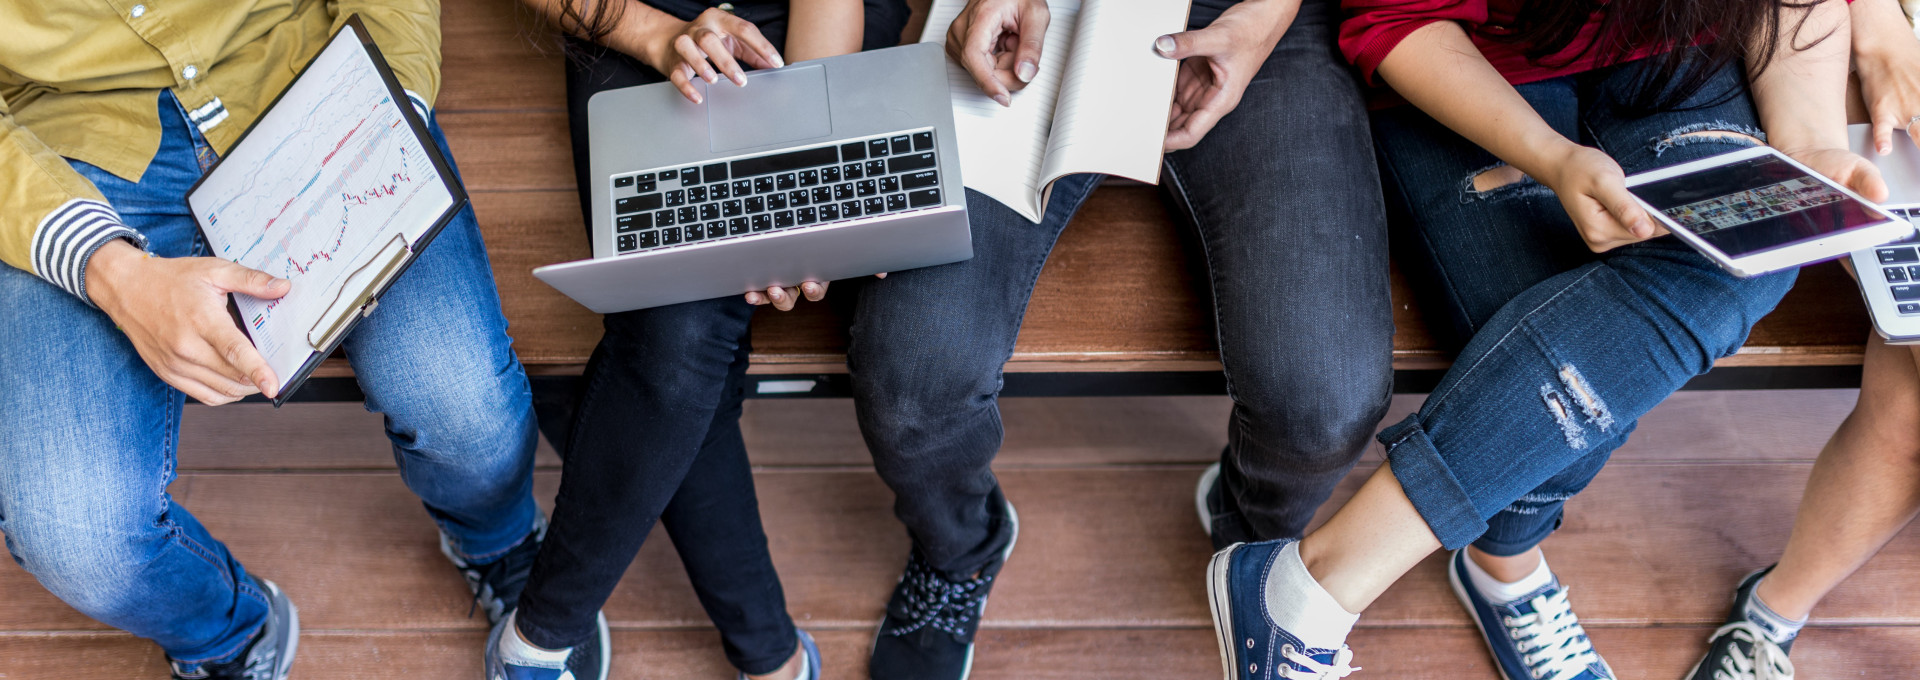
783,299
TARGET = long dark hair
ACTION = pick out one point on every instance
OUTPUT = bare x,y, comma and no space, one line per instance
1698,39
590,20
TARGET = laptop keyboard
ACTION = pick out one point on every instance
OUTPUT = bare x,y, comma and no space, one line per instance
1900,267
667,207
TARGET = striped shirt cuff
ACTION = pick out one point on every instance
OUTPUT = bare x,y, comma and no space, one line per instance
419,105
67,239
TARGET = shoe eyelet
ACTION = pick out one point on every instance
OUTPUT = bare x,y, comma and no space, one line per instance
1253,668
1249,643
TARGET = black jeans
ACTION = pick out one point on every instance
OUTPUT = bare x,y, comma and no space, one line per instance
655,436
1285,198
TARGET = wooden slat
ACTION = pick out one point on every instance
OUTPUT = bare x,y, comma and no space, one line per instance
1454,653
495,57
1101,547
1703,427
518,151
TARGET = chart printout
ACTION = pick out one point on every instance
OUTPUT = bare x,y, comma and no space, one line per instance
322,184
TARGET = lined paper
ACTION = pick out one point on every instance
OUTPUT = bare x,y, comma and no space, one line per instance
1003,148
1099,102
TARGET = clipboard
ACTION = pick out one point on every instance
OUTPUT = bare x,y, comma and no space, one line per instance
358,295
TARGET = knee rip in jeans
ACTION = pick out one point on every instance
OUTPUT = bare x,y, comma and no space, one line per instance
1579,399
1535,503
1720,132
1498,181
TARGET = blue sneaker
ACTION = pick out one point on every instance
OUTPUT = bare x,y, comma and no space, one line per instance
1252,647
1534,638
589,661
812,651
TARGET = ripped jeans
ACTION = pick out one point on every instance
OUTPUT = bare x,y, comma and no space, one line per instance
1561,349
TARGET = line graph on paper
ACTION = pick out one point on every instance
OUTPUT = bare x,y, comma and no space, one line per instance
319,186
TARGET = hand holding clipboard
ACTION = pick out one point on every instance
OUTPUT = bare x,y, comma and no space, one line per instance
338,187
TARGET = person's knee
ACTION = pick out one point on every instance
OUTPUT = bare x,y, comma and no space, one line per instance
903,394
474,417
93,558
1328,414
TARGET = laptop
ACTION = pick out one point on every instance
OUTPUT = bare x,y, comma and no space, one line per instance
828,169
1889,275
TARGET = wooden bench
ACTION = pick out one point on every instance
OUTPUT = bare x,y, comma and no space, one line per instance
1119,306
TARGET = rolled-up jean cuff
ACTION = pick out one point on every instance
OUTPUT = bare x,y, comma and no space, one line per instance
1508,547
1427,481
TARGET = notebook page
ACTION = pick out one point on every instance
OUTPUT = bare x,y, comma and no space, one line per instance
1112,115
1002,148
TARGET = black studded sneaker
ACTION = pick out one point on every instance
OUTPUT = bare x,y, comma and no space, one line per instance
931,620
268,657
496,585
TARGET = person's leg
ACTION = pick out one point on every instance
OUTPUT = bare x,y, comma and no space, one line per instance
1300,280
927,349
1865,486
654,387
926,358
714,521
1585,352
87,443
436,361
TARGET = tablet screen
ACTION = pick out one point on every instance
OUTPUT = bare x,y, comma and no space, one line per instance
1756,204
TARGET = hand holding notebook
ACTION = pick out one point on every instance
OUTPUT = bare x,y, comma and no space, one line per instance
1096,101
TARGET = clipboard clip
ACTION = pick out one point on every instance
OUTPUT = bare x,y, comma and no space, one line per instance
340,313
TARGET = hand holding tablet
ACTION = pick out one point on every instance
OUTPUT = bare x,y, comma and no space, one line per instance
1756,210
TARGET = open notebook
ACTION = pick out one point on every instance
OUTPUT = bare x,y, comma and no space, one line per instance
1098,104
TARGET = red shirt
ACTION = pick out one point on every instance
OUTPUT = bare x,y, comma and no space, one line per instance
1374,27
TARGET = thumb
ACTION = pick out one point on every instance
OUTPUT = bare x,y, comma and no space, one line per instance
1203,42
1864,179
1627,211
234,278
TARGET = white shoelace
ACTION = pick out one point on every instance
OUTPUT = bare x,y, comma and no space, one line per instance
1309,669
1766,662
1551,641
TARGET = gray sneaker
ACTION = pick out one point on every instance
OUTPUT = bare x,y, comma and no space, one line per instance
268,657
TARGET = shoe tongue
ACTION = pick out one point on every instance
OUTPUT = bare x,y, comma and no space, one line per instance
1524,603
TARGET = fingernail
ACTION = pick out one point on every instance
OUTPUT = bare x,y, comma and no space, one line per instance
776,294
738,79
1165,45
778,62
1003,99
1026,71
697,99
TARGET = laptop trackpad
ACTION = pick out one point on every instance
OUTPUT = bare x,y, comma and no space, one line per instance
774,107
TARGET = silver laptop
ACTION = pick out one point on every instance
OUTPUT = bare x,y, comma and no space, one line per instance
823,170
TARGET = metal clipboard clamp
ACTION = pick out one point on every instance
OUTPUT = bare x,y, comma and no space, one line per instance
345,309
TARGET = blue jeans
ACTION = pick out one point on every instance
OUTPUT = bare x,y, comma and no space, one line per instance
1565,349
1284,198
88,432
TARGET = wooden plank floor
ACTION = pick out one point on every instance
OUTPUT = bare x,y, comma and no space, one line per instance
1105,583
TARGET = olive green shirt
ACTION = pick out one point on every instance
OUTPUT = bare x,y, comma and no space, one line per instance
81,79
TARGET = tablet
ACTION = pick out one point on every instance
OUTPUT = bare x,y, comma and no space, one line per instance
1755,211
